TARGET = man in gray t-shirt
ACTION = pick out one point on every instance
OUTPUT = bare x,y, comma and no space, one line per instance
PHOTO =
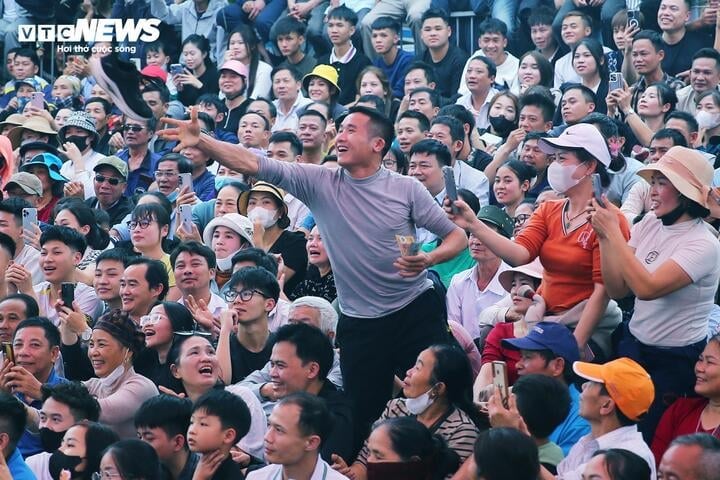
390,312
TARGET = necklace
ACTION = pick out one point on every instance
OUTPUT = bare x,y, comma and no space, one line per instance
699,429
569,221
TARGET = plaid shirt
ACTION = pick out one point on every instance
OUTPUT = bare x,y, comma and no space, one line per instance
641,85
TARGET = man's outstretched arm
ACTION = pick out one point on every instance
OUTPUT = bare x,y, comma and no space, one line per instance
188,134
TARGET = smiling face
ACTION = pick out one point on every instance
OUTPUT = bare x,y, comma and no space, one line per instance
197,365
157,328
357,144
288,373
672,15
507,187
135,292
231,84
529,72
192,272
584,63
319,89
107,279
33,352
664,197
493,45
105,353
707,371
573,30
58,261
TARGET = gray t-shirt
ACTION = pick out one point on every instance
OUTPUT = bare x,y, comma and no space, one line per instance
358,220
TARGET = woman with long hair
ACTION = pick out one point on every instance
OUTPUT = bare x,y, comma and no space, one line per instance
438,392
534,69
79,453
131,459
373,81
512,182
242,46
589,63
199,75
654,105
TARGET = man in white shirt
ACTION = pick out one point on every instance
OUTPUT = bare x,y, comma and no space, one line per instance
479,78
451,133
286,83
296,429
492,42
576,26
79,130
427,158
615,397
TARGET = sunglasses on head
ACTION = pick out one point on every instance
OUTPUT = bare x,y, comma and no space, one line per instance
111,180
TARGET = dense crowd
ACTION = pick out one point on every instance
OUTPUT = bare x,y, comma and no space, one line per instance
284,240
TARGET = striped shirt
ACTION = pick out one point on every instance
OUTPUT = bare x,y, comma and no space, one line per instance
457,429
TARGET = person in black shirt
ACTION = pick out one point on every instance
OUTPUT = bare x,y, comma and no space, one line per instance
199,74
447,59
678,42
252,294
348,61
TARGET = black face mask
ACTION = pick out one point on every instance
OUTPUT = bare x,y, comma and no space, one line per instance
502,125
59,462
80,142
50,440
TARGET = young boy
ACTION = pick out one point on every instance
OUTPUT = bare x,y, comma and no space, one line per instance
493,42
163,422
344,57
543,36
392,60
290,38
26,65
219,419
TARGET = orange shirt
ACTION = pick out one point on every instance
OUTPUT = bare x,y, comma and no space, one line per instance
571,260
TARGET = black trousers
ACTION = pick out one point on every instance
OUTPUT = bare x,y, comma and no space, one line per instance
373,350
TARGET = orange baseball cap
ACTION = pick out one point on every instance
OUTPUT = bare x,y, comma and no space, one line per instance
628,384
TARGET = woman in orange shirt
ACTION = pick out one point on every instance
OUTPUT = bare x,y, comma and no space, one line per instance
561,236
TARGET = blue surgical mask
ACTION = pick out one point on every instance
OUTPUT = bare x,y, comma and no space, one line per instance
220,181
173,196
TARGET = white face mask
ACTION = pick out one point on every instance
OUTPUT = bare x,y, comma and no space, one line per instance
707,120
225,264
418,405
560,177
265,217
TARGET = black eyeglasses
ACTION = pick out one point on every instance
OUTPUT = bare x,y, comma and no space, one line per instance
111,180
143,224
245,295
521,218
132,128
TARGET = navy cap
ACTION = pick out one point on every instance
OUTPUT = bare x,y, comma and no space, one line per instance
552,336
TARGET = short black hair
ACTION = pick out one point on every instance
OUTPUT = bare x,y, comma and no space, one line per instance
587,20
113,254
257,256
623,464
289,137
28,53
73,239
134,458
256,278
12,418
14,206
313,113
265,121
379,103
157,87
493,25
423,121
652,36
169,413
432,94
542,102
288,25
686,117
230,409
504,453
52,334
8,244
194,248
315,418
542,15
212,99
31,306
435,13
379,125
425,67
152,211
457,132
491,67
311,345
603,123
430,146
76,396
271,106
107,107
543,403
382,23
343,13
293,71
459,112
677,138
587,94
183,163
155,273
710,53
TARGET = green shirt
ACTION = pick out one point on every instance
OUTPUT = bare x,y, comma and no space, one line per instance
446,270
550,454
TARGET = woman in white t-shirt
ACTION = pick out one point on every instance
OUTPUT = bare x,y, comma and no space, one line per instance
672,266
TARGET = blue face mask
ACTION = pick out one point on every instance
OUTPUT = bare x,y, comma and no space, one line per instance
221,180
173,196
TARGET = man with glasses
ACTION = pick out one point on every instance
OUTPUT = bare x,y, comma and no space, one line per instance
167,175
141,161
109,184
252,294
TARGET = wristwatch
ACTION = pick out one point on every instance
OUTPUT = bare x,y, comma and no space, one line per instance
86,334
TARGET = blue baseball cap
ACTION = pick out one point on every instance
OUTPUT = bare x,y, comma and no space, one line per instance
552,336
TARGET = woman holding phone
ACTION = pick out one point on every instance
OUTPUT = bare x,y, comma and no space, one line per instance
560,234
672,266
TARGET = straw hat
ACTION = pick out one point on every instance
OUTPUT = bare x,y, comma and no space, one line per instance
34,124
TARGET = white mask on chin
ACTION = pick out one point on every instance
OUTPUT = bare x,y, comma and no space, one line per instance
418,405
225,264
